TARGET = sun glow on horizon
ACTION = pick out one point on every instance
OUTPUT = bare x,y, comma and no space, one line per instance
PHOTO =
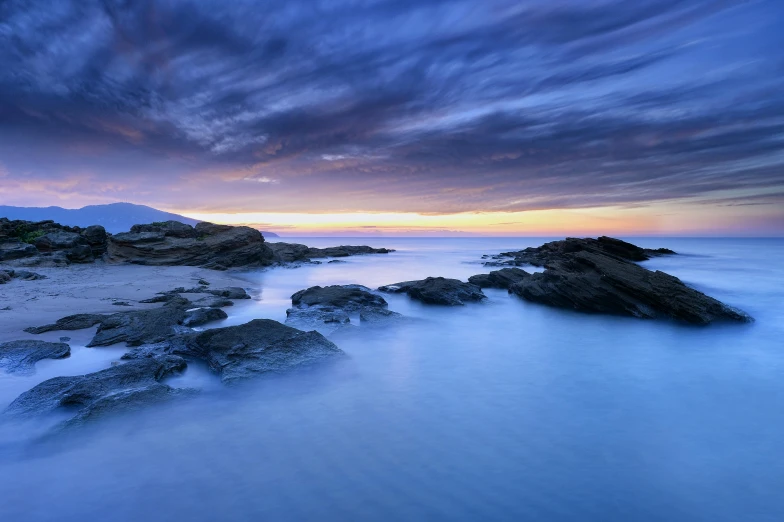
664,218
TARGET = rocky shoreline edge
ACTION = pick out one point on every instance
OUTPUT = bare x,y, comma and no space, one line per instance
587,275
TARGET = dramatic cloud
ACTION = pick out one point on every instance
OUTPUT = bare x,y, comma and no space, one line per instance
428,106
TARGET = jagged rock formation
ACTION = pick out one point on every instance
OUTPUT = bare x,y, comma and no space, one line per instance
295,252
19,357
260,346
554,250
137,327
122,387
438,290
602,276
207,245
327,308
503,278
46,242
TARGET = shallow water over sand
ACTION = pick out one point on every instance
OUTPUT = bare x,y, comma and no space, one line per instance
504,410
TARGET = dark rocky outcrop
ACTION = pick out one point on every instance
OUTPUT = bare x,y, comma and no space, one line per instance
327,308
602,276
71,322
137,327
121,387
201,316
23,275
260,346
294,252
556,250
207,245
503,278
222,296
12,249
20,356
43,239
438,290
170,243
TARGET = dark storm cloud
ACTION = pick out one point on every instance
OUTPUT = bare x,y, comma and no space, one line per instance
429,105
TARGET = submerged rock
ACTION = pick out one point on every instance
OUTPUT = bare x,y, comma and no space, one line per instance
438,290
589,276
20,356
330,307
503,278
71,322
206,244
202,316
346,297
125,386
137,327
260,346
294,252
557,250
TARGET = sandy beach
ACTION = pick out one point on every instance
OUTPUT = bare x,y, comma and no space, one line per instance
93,289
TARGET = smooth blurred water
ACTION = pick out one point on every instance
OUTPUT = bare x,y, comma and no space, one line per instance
504,410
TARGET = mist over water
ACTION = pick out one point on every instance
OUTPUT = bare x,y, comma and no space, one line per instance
504,410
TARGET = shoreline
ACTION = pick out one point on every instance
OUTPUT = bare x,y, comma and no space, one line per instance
92,288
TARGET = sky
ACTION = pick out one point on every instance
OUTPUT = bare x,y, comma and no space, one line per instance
423,117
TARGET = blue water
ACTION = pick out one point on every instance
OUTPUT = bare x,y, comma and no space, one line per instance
504,410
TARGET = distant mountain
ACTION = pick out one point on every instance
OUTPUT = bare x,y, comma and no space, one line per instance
114,217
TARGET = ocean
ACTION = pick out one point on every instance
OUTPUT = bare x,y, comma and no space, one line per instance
503,410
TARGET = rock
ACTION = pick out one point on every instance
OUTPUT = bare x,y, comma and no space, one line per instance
213,302
174,243
289,252
20,356
76,247
122,303
294,252
136,327
24,275
80,254
58,240
64,339
335,261
49,260
202,316
345,251
5,276
328,308
15,249
202,282
147,351
96,237
594,280
232,292
503,278
129,385
556,250
346,297
438,290
260,346
71,322
378,316
127,401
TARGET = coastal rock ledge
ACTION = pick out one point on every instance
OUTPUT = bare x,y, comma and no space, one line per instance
438,291
602,276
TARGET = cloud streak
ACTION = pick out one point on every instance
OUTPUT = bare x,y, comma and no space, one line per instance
394,105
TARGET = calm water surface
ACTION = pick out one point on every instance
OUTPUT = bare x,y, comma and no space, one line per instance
504,410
